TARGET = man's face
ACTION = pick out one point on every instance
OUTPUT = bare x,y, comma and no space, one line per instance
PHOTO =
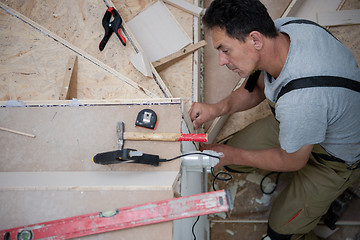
240,57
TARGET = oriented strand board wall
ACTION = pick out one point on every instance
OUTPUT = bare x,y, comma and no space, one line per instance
80,23
33,67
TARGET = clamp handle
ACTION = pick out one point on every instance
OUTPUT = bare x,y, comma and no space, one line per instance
116,25
111,26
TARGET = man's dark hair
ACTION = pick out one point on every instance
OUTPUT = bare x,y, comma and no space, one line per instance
239,18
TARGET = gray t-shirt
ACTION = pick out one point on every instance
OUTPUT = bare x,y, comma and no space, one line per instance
326,115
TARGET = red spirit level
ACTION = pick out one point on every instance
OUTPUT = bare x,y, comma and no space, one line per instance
127,217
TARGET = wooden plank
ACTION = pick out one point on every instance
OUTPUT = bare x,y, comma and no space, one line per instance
69,88
292,8
17,132
187,7
339,18
198,61
90,102
168,60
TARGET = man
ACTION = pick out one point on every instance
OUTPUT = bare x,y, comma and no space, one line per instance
312,80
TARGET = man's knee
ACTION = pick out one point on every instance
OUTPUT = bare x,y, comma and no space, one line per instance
277,236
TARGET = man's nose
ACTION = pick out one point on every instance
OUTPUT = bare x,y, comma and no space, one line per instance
223,60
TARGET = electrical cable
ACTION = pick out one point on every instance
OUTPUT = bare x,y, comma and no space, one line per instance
225,179
216,177
193,227
188,154
264,237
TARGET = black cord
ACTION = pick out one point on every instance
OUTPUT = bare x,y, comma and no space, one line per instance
276,183
264,237
188,154
216,177
225,179
193,227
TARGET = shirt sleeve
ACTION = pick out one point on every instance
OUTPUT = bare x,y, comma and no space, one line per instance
300,125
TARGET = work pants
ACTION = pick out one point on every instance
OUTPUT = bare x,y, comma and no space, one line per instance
299,207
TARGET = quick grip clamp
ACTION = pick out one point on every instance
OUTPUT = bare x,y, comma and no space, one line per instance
111,26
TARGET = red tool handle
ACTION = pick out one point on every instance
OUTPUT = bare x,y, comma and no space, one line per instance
122,39
202,137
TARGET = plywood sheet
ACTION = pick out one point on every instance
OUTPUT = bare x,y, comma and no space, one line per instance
67,138
80,23
88,181
33,66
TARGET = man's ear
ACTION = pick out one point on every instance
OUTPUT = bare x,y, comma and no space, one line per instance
257,39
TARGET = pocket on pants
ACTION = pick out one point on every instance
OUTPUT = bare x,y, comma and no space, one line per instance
316,211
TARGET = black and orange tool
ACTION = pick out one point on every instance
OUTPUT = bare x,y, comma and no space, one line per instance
111,26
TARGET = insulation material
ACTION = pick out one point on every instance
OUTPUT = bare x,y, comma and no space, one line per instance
157,32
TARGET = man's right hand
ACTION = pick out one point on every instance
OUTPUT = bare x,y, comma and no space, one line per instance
201,113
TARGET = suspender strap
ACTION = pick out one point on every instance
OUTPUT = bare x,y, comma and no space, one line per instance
319,81
304,21
251,82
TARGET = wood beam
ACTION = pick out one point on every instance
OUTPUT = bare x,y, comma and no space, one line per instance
69,88
165,62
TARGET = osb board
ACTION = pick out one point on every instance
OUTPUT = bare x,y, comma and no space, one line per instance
33,66
30,207
179,76
80,23
67,138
